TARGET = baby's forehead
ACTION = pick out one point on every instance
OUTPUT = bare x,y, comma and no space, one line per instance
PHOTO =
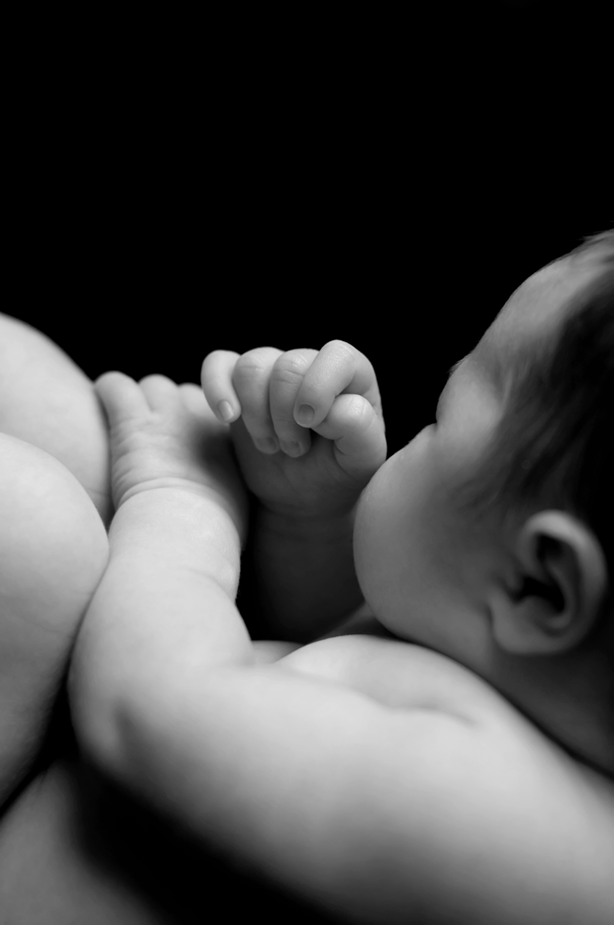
536,308
540,301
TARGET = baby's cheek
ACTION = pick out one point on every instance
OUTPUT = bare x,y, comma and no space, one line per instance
362,539
393,529
373,534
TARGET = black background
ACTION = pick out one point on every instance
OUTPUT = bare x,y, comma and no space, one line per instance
178,187
247,183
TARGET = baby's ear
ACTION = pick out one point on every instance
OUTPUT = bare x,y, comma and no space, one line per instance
560,582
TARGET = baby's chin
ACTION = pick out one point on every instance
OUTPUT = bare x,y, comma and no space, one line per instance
365,549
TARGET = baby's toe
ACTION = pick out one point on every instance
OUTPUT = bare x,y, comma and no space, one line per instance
160,391
121,397
194,400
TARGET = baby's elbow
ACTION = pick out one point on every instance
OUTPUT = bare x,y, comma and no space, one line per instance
118,724
95,710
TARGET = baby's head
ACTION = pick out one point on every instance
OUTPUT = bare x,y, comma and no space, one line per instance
490,537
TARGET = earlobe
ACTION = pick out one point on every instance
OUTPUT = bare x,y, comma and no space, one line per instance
558,588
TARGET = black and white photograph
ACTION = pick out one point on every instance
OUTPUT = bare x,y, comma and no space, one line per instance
306,505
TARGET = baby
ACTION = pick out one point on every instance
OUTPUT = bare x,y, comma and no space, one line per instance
445,755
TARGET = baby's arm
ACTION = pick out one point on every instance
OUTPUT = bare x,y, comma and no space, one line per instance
166,695
305,476
356,771
174,544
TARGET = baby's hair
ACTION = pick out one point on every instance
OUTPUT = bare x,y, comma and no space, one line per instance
555,439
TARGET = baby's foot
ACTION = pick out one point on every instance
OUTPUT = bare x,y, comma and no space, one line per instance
165,436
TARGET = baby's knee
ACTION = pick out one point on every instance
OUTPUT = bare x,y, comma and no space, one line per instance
53,545
46,400
53,551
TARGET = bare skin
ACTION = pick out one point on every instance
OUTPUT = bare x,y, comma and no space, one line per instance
394,726
474,814
72,849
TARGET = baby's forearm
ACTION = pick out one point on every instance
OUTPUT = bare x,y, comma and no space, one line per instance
169,588
298,579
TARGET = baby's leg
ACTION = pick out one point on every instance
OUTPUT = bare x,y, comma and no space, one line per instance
46,400
53,551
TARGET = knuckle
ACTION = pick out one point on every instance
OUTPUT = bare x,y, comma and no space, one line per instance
359,411
341,348
286,376
213,362
250,365
289,370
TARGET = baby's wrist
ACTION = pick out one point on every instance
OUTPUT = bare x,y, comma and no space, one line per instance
305,524
190,527
298,574
311,512
164,493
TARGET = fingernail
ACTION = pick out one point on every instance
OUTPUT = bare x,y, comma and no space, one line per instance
267,444
305,415
291,448
225,410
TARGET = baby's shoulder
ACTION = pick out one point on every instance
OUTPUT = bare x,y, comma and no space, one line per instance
362,655
512,790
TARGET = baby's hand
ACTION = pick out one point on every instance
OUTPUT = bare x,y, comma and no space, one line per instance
307,424
163,435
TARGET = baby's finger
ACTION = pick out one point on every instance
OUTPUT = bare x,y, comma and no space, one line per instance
216,379
338,368
357,431
250,378
286,378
